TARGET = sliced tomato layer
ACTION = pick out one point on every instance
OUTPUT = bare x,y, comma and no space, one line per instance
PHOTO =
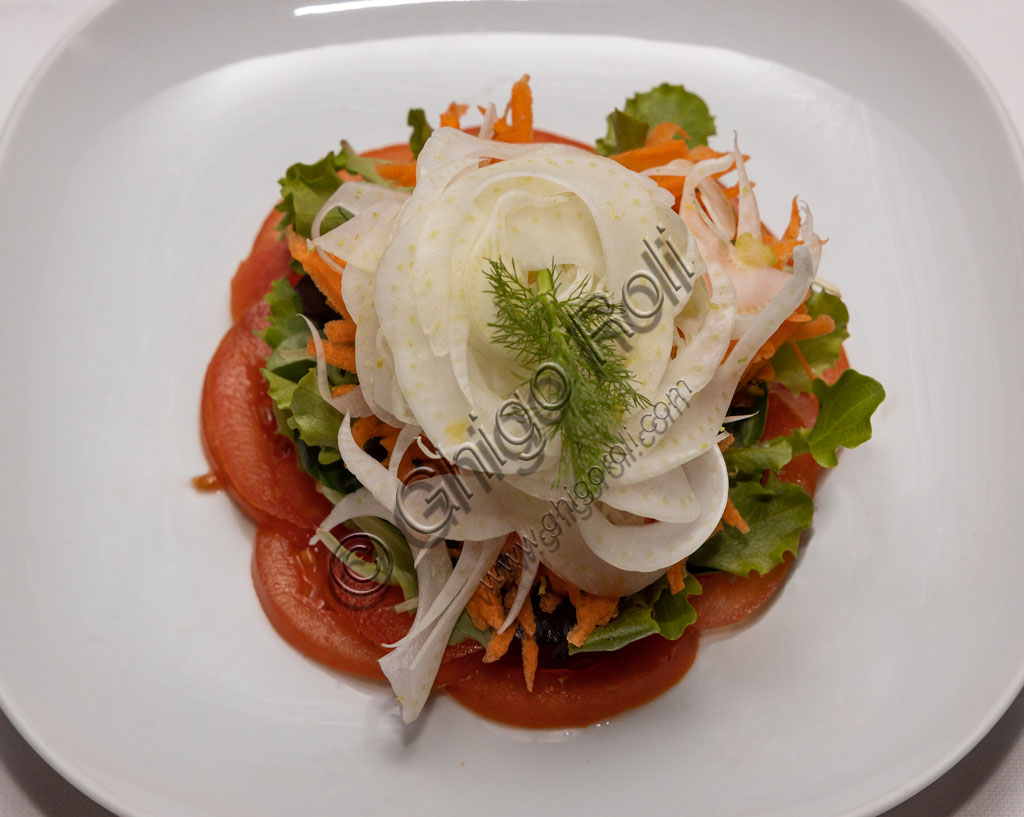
256,464
319,618
285,573
268,261
378,622
620,680
727,599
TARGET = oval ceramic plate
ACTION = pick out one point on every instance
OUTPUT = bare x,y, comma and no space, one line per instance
135,173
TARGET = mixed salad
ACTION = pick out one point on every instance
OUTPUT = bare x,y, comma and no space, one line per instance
520,416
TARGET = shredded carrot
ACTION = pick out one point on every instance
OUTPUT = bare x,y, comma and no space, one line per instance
733,518
342,355
652,155
499,644
342,390
340,331
485,608
821,325
675,578
666,132
767,372
783,247
338,348
388,443
401,173
364,429
452,117
702,152
801,359
327,280
734,191
798,326
774,343
531,653
516,125
793,228
488,608
550,601
673,184
371,428
591,612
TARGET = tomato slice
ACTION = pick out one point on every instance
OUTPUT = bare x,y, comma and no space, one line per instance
378,622
727,599
618,681
788,411
284,571
830,376
317,617
256,464
268,261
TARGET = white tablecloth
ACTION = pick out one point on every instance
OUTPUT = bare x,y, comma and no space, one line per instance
989,782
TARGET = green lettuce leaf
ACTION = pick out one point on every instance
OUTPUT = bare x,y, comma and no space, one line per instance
301,414
754,460
844,415
354,163
290,359
820,353
316,420
403,571
285,308
776,512
628,128
333,476
306,188
748,431
674,613
281,389
651,610
624,133
465,629
421,130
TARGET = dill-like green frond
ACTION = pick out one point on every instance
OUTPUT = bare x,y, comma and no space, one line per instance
578,335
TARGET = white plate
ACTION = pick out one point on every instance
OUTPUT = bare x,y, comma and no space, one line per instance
133,176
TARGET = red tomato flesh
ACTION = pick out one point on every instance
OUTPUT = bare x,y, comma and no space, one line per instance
291,586
268,261
256,464
561,698
727,599
315,615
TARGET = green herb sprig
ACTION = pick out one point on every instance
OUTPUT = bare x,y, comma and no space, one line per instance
577,334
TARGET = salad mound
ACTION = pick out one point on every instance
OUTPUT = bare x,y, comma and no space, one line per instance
519,417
